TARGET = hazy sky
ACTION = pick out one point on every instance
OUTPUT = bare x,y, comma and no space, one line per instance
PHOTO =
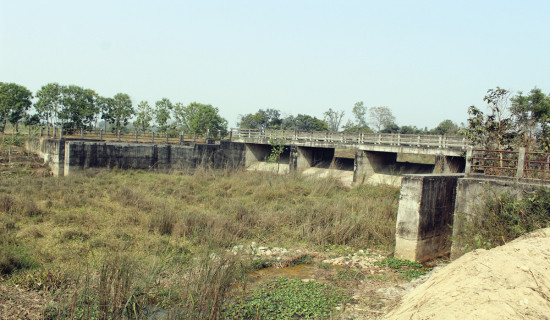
426,60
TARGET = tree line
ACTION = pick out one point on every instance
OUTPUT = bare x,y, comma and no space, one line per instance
73,107
511,120
373,119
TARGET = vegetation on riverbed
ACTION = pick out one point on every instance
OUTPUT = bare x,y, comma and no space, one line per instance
131,243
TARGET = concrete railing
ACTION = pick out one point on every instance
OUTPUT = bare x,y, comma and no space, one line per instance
136,137
430,141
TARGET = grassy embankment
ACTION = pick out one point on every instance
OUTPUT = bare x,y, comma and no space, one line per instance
103,244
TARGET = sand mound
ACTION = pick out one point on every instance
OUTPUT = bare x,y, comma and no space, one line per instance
508,282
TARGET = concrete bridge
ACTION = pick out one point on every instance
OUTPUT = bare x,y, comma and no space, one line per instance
374,152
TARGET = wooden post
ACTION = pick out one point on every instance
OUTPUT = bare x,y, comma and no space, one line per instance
181,138
100,134
136,139
521,163
61,133
54,132
41,131
166,137
230,135
153,137
468,168
194,137
118,135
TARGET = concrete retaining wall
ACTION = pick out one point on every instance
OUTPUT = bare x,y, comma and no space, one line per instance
80,155
433,209
51,150
68,156
474,190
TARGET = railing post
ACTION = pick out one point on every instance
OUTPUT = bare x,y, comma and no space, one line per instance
468,168
41,131
521,163
398,139
166,137
54,132
418,143
153,137
295,135
379,138
181,138
230,135
118,135
136,137
439,142
220,135
343,137
194,137
100,134
61,133
207,134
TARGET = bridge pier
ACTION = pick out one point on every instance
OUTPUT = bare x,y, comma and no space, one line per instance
449,164
368,163
425,216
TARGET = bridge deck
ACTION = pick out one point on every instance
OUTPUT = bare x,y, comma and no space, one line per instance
381,142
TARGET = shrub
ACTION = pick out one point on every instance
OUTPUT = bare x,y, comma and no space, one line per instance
502,218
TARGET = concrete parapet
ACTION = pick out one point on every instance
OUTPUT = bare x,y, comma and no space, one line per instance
425,216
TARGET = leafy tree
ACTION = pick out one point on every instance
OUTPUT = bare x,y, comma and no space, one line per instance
163,114
304,122
198,118
263,119
360,113
390,127
359,124
118,110
410,130
79,107
49,102
333,119
15,100
381,117
144,116
532,117
494,130
105,104
445,127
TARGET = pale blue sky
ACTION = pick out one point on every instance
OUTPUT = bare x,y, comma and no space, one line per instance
426,60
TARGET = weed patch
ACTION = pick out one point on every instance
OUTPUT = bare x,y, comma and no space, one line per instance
408,269
285,298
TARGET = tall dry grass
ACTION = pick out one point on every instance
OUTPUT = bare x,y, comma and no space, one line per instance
172,218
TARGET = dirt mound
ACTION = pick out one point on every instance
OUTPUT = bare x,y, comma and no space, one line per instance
508,282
